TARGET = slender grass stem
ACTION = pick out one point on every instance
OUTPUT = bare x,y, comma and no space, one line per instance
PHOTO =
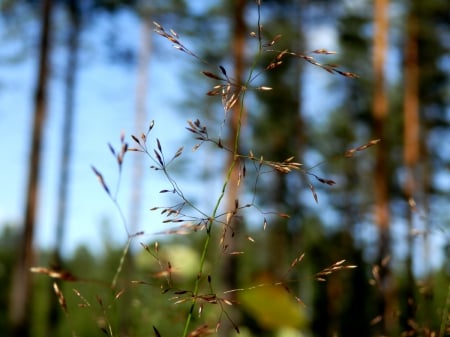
220,198
206,243
121,262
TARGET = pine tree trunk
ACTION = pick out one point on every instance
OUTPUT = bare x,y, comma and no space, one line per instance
381,183
229,271
411,156
21,293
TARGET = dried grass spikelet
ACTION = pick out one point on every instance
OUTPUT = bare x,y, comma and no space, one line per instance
323,51
274,65
329,182
213,76
377,270
61,299
264,224
263,88
284,166
56,274
351,152
230,94
314,193
85,303
101,180
198,129
202,330
331,68
339,265
273,41
173,37
230,91
142,140
119,293
296,261
184,229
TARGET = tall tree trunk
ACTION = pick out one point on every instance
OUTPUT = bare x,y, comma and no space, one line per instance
285,237
381,183
140,117
66,148
411,155
21,294
229,270
67,127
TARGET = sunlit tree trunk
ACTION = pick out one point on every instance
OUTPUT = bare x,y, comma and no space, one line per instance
230,243
411,155
21,293
66,147
381,183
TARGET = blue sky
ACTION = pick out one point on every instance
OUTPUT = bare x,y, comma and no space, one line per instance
104,109
105,105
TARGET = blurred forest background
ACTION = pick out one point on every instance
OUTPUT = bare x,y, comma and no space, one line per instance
387,212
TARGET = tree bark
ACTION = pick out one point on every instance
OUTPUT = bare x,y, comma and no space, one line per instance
67,127
230,241
381,177
74,27
411,157
21,294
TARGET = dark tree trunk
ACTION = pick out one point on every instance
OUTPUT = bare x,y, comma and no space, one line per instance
66,149
21,294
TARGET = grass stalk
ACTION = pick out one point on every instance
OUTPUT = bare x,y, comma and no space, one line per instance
210,225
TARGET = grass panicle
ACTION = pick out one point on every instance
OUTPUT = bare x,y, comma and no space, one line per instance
185,217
